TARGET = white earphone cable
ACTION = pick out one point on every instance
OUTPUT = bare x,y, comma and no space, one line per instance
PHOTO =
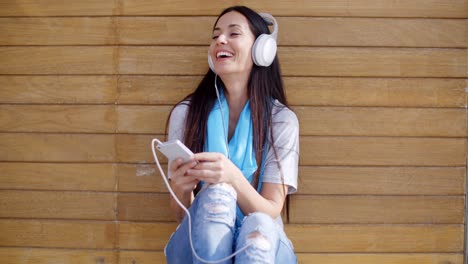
188,213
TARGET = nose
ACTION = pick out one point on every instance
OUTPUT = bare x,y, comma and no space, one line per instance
221,39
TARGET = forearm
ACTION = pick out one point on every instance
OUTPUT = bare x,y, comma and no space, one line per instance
185,198
251,201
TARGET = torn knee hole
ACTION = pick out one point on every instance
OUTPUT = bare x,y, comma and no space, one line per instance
259,241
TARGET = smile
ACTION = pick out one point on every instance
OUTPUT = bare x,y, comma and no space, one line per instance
223,54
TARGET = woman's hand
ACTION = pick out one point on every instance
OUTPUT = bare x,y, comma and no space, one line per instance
214,168
180,181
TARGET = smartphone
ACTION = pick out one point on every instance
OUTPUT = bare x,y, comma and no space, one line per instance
175,149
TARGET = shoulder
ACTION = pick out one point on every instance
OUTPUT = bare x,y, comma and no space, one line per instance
180,110
283,116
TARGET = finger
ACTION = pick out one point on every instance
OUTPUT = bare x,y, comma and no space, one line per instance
174,164
208,156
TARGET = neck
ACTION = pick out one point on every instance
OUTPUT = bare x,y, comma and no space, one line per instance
236,92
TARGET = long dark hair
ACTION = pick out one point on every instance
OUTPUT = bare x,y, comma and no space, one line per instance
264,86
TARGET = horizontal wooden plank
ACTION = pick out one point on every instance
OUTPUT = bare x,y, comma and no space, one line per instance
53,118
331,151
341,121
144,207
140,178
382,180
144,236
372,62
10,255
376,238
356,151
56,8
146,257
329,121
325,238
57,147
306,61
66,60
142,119
309,209
142,257
58,89
398,92
324,91
58,176
382,151
330,180
367,8
378,32
58,205
297,61
58,234
58,31
419,8
411,258
155,89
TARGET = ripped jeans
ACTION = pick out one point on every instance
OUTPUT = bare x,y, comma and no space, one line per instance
214,235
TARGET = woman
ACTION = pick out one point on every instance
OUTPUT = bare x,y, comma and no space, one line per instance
246,145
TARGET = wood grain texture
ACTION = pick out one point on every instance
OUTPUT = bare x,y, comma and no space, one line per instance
370,151
58,31
58,205
68,119
162,90
152,207
66,60
390,92
306,209
57,147
329,121
365,32
412,258
306,61
326,238
146,257
58,176
387,8
382,180
10,255
58,89
56,8
376,238
323,91
140,178
366,8
58,234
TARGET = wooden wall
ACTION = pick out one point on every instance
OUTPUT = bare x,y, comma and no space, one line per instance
378,86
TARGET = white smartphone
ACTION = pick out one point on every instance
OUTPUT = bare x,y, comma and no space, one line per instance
175,149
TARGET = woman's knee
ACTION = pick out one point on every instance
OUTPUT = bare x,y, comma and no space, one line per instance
218,204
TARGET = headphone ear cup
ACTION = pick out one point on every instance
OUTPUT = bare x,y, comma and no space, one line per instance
210,62
264,50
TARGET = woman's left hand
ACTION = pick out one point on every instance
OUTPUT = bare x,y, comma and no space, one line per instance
214,168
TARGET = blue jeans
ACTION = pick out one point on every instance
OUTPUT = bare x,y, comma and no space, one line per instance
215,236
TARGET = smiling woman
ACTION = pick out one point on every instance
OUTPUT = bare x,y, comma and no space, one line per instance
246,141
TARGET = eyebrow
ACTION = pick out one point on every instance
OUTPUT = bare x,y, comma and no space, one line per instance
230,26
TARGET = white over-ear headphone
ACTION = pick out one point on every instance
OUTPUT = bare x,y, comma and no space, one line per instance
264,47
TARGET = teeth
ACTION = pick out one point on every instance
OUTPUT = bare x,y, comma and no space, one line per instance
224,54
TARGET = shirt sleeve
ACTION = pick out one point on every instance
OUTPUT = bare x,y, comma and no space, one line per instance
176,128
282,167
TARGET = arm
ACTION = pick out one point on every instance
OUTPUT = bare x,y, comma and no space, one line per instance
182,185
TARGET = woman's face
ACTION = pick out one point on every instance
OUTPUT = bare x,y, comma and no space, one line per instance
231,46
